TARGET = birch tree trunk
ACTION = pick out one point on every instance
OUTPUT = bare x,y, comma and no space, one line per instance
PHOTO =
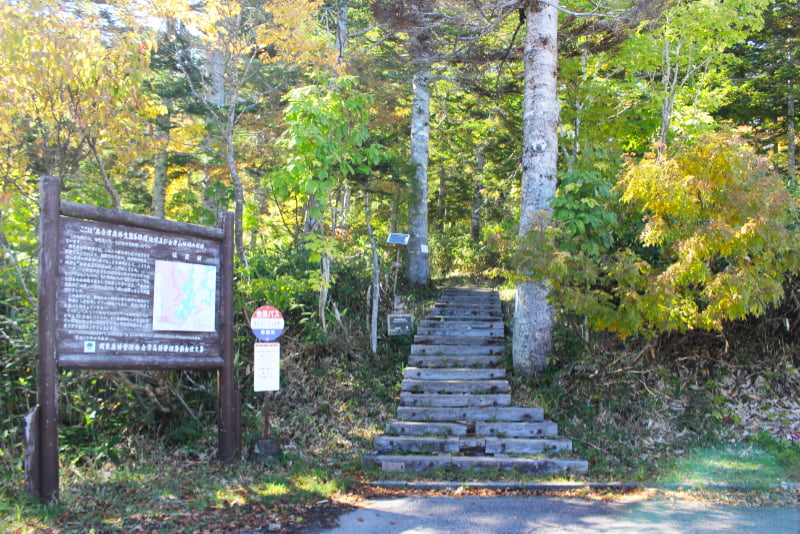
533,315
376,278
418,253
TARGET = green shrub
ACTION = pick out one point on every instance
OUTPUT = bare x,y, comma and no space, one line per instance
713,243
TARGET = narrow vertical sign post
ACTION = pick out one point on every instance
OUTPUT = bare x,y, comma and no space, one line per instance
267,325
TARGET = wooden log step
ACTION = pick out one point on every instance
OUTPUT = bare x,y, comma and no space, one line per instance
474,299
461,350
465,312
424,444
477,326
435,373
516,430
454,400
465,304
418,428
470,319
474,322
470,446
455,339
499,414
460,331
498,446
455,361
455,386
415,463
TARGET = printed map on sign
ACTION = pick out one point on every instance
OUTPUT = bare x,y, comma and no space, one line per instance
184,295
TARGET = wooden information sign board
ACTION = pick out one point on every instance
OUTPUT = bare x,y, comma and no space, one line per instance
119,290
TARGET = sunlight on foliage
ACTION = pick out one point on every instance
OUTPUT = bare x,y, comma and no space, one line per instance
715,243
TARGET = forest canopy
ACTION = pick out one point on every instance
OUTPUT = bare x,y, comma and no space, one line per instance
324,125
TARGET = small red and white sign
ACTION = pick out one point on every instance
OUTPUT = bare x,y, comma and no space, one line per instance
267,323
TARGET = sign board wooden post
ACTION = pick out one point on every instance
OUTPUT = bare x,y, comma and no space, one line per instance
122,291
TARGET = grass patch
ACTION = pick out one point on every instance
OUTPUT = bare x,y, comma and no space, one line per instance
736,464
785,453
171,495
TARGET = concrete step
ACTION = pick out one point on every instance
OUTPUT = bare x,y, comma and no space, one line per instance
470,445
416,463
454,399
455,386
460,350
458,373
499,414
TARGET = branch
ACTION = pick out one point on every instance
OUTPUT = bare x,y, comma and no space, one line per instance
600,10
106,180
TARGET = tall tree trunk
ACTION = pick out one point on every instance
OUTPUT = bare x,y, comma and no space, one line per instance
441,208
238,189
418,253
376,278
341,31
476,212
533,315
159,200
791,147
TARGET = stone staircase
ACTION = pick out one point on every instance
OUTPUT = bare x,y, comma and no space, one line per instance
455,404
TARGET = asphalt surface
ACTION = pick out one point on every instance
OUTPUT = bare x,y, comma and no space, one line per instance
546,515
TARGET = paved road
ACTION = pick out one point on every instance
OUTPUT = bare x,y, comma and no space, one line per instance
545,515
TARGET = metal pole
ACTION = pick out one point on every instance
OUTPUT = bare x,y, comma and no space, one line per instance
266,415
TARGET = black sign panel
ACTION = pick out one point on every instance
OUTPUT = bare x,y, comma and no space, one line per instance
125,291
399,323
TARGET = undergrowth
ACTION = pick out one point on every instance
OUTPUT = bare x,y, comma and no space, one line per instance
634,410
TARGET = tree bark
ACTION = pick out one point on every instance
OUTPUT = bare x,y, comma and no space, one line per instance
533,315
476,213
159,200
418,253
238,188
376,278
791,145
